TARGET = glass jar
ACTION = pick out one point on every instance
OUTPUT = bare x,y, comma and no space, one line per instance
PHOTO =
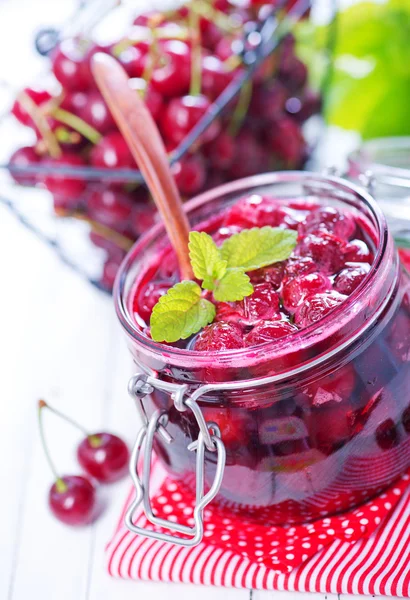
383,165
289,457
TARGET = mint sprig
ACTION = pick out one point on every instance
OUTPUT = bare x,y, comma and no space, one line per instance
182,311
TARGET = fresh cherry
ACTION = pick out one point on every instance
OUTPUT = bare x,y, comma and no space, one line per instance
316,307
103,456
215,77
287,142
251,156
152,98
38,96
112,208
268,102
112,152
172,77
70,66
24,157
182,114
189,173
221,151
110,270
73,500
96,113
67,188
133,59
143,218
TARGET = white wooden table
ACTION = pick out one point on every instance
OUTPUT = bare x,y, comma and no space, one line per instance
59,340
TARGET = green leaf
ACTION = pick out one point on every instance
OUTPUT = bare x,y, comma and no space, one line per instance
234,286
258,247
180,313
205,258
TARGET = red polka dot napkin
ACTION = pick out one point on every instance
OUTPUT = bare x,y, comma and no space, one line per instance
366,550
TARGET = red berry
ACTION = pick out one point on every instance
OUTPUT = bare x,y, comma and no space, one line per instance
103,456
329,426
315,308
327,250
147,297
112,208
295,290
329,220
221,151
143,218
251,157
112,152
219,336
266,331
110,270
234,425
152,98
172,78
63,186
337,387
190,174
287,142
386,435
299,265
39,97
262,304
95,112
350,278
24,157
258,211
73,499
273,275
182,114
268,102
358,251
215,77
133,59
70,66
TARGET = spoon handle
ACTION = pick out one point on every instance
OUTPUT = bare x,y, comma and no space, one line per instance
143,138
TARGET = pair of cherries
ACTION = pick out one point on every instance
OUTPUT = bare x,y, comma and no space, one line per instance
73,499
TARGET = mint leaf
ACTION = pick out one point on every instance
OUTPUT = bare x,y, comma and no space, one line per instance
255,248
180,313
205,258
233,286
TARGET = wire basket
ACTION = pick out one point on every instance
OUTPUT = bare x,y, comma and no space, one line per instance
91,245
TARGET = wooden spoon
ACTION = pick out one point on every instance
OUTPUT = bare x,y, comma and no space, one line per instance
143,138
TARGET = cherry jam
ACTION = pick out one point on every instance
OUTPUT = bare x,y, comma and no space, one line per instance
316,419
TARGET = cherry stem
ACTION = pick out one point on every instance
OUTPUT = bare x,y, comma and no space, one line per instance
209,12
109,234
43,404
147,147
151,63
41,123
60,484
196,53
70,119
241,108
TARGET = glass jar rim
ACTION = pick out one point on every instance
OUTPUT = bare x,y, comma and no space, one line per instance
241,185
376,157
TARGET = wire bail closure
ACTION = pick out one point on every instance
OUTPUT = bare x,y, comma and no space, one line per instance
139,387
